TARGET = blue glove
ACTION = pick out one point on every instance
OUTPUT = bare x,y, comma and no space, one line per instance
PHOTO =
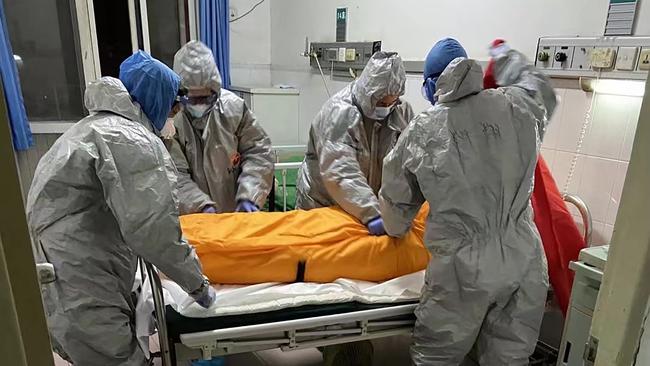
376,226
209,209
246,206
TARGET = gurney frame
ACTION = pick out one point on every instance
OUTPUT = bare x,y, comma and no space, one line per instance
287,335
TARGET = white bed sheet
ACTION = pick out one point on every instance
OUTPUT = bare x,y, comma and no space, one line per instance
236,300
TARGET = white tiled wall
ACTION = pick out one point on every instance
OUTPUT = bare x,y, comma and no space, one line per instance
602,163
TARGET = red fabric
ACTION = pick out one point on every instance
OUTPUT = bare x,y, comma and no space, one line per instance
560,235
489,82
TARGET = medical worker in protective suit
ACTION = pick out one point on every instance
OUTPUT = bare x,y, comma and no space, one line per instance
223,155
349,139
102,195
472,156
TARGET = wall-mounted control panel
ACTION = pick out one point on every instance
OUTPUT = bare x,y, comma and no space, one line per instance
613,57
343,55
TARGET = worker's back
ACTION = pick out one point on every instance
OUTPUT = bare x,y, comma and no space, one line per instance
478,150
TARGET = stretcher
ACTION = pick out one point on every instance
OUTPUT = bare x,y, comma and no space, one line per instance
184,339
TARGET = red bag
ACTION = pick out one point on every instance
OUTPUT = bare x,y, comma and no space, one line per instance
560,235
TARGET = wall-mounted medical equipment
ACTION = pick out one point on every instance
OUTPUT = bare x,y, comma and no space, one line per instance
342,56
607,57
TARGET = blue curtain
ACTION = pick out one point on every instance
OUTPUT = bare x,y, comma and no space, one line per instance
20,131
215,32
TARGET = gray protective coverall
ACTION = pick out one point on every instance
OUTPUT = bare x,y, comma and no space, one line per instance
104,193
225,156
344,157
472,156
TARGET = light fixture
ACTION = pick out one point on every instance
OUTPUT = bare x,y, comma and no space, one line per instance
630,88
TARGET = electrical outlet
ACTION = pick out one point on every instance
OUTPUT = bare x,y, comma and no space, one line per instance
644,60
350,55
603,58
233,13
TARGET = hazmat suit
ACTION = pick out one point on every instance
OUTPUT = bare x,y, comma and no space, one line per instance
102,195
347,145
472,156
223,155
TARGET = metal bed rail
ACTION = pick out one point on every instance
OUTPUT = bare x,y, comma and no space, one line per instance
585,214
281,152
159,309
284,167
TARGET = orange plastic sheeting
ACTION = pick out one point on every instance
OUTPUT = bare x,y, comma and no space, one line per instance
248,248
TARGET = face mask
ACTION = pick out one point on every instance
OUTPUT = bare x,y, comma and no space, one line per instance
429,90
381,113
197,110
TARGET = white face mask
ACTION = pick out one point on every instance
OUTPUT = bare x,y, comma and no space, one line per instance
381,113
168,131
197,110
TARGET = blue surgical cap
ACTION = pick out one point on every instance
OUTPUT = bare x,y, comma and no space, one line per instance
442,53
152,84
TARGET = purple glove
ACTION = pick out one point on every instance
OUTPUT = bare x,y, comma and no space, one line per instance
205,295
209,209
246,206
376,226
208,299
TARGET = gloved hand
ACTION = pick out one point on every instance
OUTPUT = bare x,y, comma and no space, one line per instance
205,295
209,209
376,226
246,206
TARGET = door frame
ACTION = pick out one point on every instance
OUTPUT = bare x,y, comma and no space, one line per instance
622,303
27,340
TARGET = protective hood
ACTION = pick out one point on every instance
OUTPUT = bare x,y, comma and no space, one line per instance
152,84
108,94
383,75
461,78
195,64
441,55
508,67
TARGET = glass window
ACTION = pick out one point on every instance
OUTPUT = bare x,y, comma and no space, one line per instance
164,29
44,36
113,34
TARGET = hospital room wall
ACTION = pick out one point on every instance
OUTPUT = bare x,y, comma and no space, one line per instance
413,26
250,44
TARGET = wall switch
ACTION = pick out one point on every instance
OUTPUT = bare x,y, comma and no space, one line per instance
626,58
582,58
341,57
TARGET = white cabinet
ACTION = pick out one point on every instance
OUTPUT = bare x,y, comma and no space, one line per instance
277,110
584,294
